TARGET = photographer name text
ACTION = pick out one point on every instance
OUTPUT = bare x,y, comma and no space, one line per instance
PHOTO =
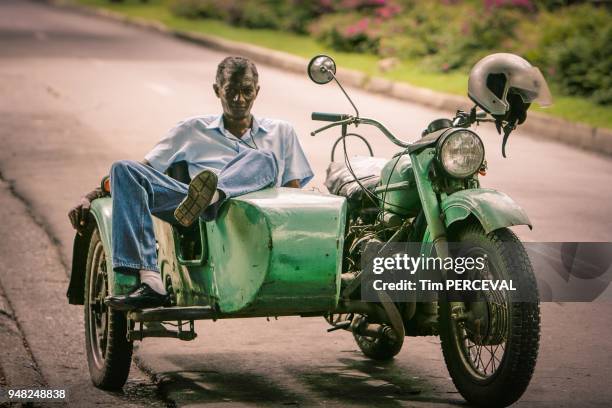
403,263
452,284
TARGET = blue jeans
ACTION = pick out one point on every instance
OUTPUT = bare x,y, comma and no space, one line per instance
139,192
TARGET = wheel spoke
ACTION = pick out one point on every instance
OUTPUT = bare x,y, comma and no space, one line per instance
488,330
491,360
495,356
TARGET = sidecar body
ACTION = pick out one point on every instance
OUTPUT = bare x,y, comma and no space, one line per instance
269,253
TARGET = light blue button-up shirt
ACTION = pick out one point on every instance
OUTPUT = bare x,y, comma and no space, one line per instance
204,143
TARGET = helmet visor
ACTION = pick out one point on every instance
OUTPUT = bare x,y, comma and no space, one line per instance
531,86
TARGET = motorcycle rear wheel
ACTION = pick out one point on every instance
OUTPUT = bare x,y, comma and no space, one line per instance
109,353
383,348
517,337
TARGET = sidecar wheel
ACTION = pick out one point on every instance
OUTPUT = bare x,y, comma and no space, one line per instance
381,349
109,353
491,357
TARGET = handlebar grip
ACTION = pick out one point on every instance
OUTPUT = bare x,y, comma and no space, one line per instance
329,117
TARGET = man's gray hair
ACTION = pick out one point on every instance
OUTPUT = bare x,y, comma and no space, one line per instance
231,65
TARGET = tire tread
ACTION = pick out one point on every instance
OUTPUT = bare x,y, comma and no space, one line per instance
521,359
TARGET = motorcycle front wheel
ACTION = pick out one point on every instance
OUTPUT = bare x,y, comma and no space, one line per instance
490,346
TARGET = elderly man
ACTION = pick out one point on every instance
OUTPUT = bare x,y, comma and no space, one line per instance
227,155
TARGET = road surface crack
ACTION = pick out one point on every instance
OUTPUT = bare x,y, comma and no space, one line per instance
9,312
38,220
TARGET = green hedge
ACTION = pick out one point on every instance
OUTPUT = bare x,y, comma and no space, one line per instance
572,44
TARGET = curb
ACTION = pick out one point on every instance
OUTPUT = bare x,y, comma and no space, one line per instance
574,134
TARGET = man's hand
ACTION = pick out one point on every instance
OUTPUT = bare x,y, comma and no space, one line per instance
79,214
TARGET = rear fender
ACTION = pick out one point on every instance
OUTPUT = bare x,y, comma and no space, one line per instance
492,208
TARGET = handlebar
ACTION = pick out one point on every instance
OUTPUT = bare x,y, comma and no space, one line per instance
329,117
345,120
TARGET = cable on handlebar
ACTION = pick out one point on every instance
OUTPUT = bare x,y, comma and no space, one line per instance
385,131
372,196
354,135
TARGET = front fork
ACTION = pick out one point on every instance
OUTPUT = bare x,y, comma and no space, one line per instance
421,163
436,230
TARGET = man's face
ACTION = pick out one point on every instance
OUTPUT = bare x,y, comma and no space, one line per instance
237,94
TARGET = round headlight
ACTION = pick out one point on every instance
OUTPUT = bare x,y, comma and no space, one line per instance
460,153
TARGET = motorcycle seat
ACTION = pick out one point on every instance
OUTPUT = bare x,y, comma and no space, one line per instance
341,181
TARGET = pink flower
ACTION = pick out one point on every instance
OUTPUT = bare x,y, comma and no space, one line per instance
388,11
358,28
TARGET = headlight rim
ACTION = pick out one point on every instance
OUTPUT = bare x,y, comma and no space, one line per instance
444,138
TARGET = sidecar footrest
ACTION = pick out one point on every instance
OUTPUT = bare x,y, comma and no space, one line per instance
140,330
162,314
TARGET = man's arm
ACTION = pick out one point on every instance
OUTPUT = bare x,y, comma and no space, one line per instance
79,214
297,170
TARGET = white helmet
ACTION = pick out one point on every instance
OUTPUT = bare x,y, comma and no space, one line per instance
496,76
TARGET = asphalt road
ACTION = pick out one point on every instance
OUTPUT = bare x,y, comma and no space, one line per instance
77,93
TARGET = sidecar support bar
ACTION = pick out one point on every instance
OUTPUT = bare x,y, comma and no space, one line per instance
375,312
162,314
138,331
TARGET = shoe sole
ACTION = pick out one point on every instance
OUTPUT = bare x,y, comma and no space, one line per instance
200,193
123,307
119,306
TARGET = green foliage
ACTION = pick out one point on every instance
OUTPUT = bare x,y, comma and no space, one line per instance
552,4
571,43
481,33
347,32
584,65
288,15
419,32
574,48
228,10
261,14
298,14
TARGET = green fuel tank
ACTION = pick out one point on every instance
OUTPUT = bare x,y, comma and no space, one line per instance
397,187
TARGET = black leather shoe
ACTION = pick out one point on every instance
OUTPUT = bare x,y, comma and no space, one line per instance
141,297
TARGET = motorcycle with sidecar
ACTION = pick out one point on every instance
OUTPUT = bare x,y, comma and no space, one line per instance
288,252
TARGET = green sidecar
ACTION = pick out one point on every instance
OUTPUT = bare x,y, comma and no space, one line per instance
274,252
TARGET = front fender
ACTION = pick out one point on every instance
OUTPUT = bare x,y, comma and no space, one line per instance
492,208
102,213
100,216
